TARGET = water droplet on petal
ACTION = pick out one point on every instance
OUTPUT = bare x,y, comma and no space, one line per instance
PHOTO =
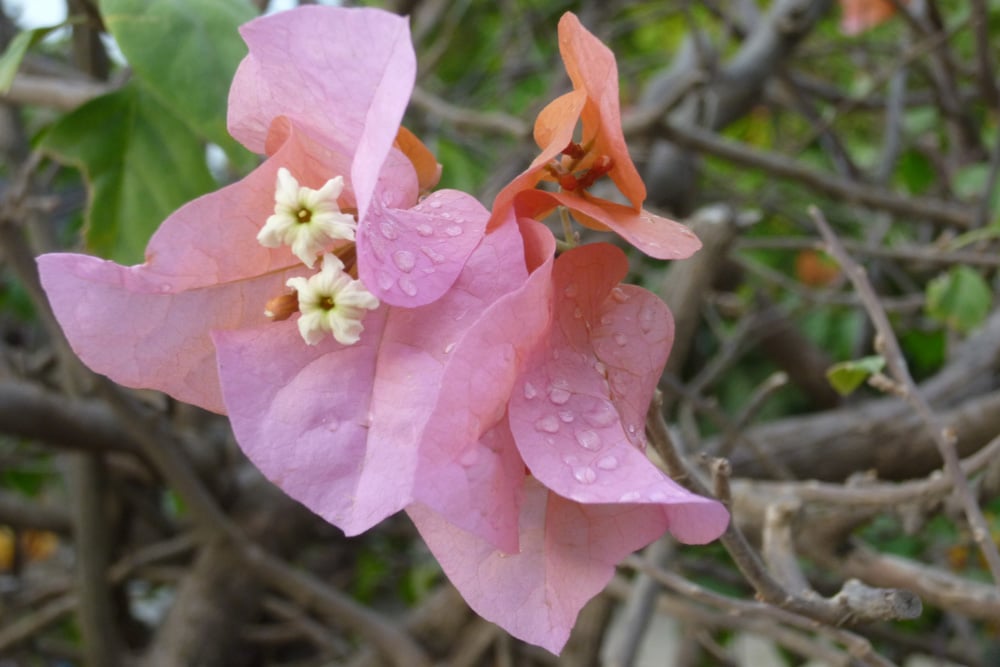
548,424
589,439
425,230
566,416
165,287
449,347
558,395
388,231
384,280
469,457
577,313
433,254
584,475
608,463
647,317
658,496
619,295
631,429
601,368
621,339
453,230
529,390
405,284
434,203
629,497
332,425
606,320
603,414
571,460
446,215
404,260
570,290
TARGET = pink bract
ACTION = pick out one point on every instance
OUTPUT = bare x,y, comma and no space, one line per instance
590,496
306,98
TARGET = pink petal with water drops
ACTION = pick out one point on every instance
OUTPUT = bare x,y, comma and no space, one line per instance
410,257
470,479
568,554
346,74
578,416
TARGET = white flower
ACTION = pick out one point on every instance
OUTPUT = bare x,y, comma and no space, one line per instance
332,301
306,219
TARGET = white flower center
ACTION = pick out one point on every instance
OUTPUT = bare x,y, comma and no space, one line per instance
306,219
331,301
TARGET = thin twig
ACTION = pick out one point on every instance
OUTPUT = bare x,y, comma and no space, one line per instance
943,437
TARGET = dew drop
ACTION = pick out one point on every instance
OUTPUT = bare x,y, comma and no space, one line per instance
433,254
388,231
601,368
647,317
604,414
621,339
584,475
446,215
404,260
571,460
449,347
608,463
629,497
571,290
548,424
566,416
589,439
165,287
619,295
384,280
453,230
405,284
529,390
469,457
434,203
577,313
658,496
606,320
631,429
558,395
425,230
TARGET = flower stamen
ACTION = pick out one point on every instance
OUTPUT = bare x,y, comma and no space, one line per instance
306,219
332,302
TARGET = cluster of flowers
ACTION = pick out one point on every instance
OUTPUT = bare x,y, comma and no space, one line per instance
381,347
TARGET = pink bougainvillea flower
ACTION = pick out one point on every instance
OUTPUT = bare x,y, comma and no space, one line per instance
321,92
358,432
589,496
576,165
860,15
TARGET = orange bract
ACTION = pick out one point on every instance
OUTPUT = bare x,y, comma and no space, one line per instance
601,151
860,15
427,166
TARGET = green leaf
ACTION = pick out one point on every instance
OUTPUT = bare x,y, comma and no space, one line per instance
847,376
11,59
140,163
960,299
186,52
